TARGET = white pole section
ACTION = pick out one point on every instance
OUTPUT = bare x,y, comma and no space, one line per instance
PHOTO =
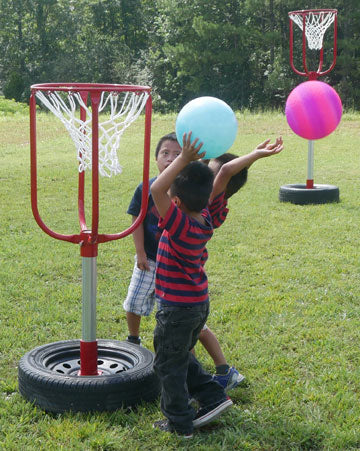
89,280
310,168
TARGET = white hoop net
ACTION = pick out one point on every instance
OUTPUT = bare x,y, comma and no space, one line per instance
316,24
125,108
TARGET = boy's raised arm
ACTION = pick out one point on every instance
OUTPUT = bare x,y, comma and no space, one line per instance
161,186
227,170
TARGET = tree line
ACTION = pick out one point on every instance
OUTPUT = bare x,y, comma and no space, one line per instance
237,50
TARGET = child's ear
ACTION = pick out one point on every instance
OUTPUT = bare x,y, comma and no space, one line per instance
177,201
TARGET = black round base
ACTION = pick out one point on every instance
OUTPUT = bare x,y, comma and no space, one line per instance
299,194
49,377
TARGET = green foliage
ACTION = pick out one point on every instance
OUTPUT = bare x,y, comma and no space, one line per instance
14,87
237,50
10,107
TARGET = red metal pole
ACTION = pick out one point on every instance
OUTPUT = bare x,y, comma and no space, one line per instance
81,188
95,100
304,47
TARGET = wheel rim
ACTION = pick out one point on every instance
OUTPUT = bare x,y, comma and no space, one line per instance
111,361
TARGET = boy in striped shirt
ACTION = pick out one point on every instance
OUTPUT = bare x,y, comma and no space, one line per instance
182,288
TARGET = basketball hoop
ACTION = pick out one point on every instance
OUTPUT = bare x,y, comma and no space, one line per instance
97,142
313,24
65,101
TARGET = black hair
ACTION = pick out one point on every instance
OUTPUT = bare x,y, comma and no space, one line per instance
193,186
238,180
168,137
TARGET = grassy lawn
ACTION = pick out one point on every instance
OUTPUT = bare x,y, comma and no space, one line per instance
284,284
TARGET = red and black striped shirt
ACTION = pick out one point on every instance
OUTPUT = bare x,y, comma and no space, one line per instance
181,255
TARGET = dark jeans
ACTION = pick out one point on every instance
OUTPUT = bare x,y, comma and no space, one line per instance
176,332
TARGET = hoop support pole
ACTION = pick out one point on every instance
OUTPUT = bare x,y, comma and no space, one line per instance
310,168
88,358
89,284
88,343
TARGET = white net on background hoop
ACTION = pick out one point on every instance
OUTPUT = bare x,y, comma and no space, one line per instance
316,24
124,108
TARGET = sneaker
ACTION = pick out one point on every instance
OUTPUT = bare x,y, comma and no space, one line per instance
164,426
134,340
230,380
207,414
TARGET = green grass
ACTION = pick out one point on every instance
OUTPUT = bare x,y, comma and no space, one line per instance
284,284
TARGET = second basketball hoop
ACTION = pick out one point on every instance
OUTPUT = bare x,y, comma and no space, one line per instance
313,24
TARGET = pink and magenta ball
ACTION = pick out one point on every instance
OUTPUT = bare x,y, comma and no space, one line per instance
313,109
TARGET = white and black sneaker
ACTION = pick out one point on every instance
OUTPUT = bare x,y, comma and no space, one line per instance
207,414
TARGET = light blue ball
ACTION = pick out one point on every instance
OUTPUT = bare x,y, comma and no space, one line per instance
212,121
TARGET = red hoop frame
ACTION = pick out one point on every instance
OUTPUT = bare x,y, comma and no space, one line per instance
89,238
312,75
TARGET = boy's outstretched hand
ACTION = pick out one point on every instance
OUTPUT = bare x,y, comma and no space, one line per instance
190,150
266,149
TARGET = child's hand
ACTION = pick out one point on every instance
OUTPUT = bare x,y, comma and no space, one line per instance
142,262
190,150
266,149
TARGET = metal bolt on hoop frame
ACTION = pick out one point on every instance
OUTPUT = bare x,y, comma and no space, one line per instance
89,238
313,23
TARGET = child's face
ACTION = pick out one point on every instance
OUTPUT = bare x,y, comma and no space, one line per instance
169,150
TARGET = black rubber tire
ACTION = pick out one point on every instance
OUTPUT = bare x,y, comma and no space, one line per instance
48,377
299,194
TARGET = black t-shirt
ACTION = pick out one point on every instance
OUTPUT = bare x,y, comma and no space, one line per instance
152,232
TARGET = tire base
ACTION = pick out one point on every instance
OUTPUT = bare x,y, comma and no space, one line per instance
300,195
48,376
